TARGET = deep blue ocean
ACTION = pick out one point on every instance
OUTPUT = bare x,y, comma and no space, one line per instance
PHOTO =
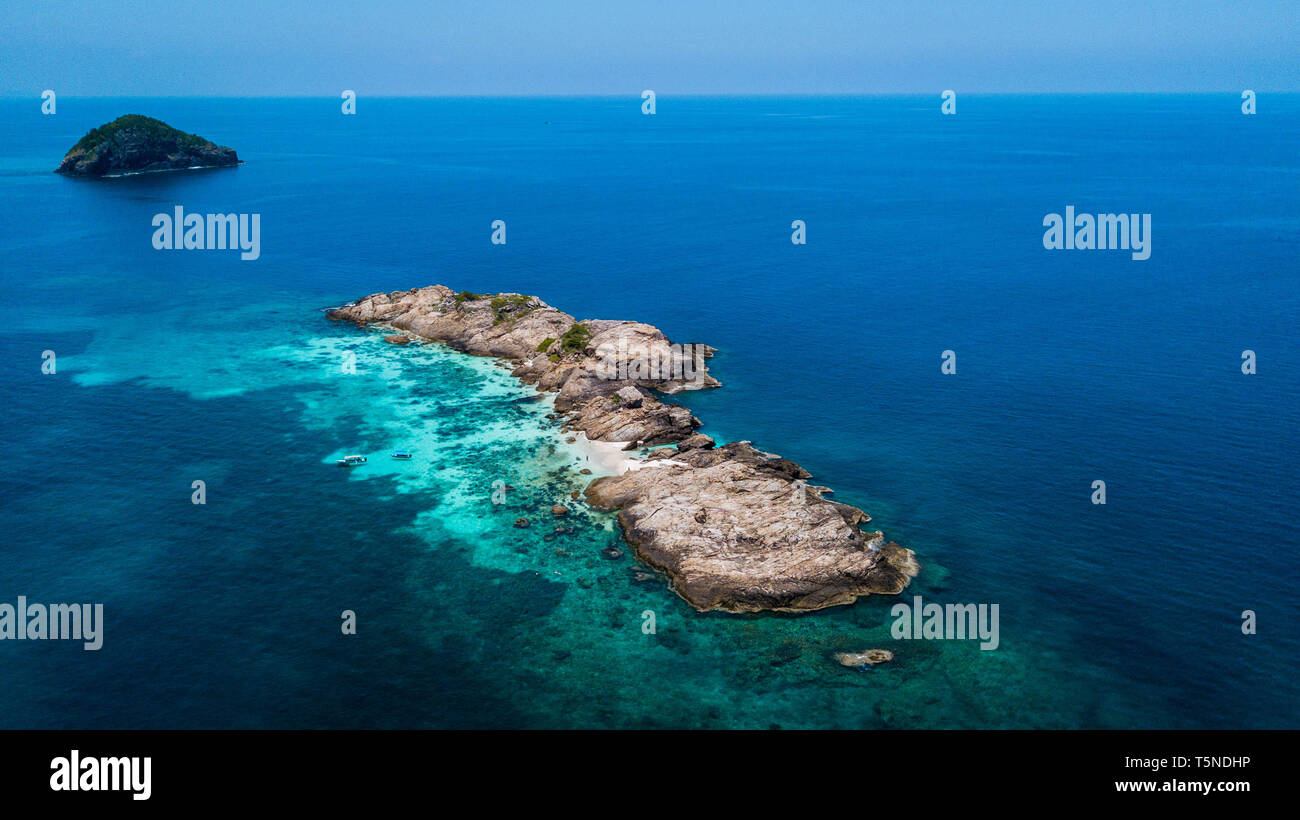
924,234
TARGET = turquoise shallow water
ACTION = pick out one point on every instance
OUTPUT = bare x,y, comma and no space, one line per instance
923,236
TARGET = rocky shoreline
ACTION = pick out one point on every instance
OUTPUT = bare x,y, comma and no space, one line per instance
734,528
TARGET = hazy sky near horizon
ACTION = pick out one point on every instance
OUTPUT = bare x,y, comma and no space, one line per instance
235,48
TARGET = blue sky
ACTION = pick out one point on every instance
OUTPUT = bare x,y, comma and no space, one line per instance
403,47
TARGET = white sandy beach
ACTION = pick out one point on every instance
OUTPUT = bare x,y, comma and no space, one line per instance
607,457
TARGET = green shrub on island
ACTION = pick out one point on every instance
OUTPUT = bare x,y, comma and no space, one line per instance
145,126
510,308
575,338
546,343
466,296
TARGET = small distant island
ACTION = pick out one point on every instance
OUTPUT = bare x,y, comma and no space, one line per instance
135,144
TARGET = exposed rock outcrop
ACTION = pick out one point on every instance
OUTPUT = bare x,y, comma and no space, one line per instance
734,528
697,441
738,530
138,144
629,396
579,361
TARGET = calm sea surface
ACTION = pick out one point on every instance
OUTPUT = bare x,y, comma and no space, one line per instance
924,235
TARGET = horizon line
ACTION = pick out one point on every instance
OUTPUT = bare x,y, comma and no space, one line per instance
658,94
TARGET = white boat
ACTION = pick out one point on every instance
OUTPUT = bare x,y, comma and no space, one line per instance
351,461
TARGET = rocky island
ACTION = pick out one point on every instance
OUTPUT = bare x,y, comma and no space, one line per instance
134,144
733,527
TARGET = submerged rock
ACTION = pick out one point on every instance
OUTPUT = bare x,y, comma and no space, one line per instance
397,339
869,657
559,509
136,144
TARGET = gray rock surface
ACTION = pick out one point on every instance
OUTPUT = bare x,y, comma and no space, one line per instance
738,530
629,396
697,441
